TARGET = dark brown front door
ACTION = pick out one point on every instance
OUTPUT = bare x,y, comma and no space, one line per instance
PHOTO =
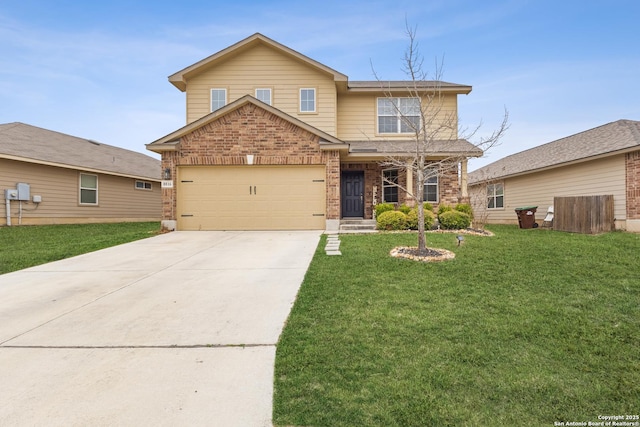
352,190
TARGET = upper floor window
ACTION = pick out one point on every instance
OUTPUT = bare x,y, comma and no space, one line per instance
495,196
398,115
390,186
307,100
264,95
431,186
88,189
218,98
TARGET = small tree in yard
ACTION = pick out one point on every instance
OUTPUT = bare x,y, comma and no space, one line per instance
434,129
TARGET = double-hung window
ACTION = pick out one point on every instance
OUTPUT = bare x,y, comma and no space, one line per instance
390,186
264,95
431,186
218,98
495,196
88,189
307,100
398,115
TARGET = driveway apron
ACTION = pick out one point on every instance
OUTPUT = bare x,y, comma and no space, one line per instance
177,329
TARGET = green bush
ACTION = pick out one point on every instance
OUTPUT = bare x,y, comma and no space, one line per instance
466,208
454,220
392,220
384,207
412,219
405,209
444,208
428,206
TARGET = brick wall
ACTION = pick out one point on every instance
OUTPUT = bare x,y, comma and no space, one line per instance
255,131
632,162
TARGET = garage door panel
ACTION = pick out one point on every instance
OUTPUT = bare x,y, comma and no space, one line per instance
251,198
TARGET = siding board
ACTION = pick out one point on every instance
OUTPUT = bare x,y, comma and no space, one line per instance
59,187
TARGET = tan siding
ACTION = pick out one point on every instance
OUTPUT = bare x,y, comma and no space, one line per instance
357,116
59,188
260,67
598,177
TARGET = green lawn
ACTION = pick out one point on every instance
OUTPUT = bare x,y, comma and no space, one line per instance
526,328
26,246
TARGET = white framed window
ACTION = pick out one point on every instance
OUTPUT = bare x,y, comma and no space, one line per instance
495,196
431,186
218,98
398,115
307,100
390,186
88,189
143,185
264,95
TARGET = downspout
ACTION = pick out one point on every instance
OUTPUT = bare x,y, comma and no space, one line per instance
8,209
464,194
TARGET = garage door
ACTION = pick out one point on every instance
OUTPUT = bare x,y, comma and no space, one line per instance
251,198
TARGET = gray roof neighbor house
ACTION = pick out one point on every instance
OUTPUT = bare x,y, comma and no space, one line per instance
608,139
19,141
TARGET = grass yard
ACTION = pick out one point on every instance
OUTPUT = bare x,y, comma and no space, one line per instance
526,328
27,246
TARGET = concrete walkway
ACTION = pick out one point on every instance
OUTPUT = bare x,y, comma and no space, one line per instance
175,330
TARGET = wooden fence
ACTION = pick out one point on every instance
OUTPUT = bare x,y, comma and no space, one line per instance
584,214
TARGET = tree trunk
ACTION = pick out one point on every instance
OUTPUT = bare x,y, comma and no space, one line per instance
419,197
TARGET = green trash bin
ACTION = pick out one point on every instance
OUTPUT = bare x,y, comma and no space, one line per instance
527,216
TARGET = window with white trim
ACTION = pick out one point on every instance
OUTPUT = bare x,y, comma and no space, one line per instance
143,185
218,98
398,115
307,100
390,186
264,95
88,189
495,196
431,186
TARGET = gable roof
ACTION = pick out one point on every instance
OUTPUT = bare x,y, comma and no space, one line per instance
22,142
180,78
605,140
170,141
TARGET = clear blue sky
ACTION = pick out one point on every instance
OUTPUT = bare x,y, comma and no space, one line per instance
99,70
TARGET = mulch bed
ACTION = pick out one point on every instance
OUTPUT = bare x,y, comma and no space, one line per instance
433,254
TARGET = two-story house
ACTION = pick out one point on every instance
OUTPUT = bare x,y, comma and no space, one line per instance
276,140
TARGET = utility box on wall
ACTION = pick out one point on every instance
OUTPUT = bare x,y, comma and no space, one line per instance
24,191
11,194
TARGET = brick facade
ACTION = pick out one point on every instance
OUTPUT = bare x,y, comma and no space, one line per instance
251,130
632,162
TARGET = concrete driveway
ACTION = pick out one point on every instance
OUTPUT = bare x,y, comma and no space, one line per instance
177,329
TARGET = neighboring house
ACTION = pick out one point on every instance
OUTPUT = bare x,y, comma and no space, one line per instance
276,140
600,161
73,180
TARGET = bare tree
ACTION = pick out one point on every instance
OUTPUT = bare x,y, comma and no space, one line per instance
434,128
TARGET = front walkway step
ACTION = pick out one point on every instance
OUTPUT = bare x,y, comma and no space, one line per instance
357,226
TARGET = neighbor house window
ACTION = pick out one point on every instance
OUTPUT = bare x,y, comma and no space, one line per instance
390,186
398,115
264,95
431,186
143,185
495,196
308,100
218,98
88,189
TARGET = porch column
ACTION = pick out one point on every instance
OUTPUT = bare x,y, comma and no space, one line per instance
464,195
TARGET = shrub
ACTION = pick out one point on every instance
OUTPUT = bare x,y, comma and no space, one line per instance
466,208
428,206
454,220
392,220
412,219
444,208
404,209
383,207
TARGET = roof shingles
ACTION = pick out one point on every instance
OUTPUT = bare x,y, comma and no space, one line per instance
28,142
603,140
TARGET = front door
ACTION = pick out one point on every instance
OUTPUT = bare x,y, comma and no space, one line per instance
352,194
